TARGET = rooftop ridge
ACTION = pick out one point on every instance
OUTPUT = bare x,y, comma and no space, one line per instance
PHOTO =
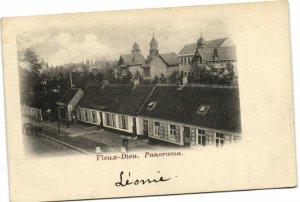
212,85
199,85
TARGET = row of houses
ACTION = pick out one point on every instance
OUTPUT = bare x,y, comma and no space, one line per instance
191,115
213,52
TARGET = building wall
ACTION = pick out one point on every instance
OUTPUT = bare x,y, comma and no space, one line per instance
165,133
81,116
134,69
157,67
185,60
116,126
171,70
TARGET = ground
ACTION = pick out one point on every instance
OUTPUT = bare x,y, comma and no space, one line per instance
42,146
79,139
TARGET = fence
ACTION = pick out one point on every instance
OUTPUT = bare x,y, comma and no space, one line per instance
32,112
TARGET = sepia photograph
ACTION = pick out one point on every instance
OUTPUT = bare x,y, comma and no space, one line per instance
98,89
149,101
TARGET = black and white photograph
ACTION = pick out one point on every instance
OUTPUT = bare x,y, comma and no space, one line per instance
171,100
102,89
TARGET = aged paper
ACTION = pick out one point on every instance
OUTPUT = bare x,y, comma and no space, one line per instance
149,102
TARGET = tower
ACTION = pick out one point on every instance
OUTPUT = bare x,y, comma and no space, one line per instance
201,42
135,49
153,48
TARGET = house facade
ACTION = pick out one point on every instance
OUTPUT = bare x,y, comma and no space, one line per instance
155,65
114,107
192,115
67,104
216,52
132,63
159,64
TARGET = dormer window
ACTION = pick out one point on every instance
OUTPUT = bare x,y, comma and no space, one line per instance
202,110
151,105
133,59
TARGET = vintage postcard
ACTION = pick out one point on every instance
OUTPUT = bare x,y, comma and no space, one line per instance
149,102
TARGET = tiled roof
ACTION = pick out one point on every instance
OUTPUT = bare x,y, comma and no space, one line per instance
132,59
120,98
224,53
189,49
170,59
182,105
67,97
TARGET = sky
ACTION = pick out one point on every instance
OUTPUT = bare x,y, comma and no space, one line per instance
107,39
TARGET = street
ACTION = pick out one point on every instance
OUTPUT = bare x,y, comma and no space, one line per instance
42,147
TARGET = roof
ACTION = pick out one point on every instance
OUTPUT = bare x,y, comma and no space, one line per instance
224,53
131,59
189,49
68,96
170,59
182,106
120,98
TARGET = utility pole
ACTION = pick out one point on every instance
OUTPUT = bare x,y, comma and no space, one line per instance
58,124
71,81
58,111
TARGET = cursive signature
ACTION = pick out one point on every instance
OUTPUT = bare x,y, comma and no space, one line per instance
125,182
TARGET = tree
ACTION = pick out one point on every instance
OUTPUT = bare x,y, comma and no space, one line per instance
210,74
155,80
162,78
31,60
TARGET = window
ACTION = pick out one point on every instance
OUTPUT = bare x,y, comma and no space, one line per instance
79,114
202,110
151,105
215,52
219,139
133,59
189,60
156,128
86,115
185,61
113,120
94,116
201,137
110,120
107,119
147,72
124,122
124,71
173,132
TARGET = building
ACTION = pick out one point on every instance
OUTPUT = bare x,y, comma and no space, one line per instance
217,52
192,115
67,104
156,64
159,64
114,107
132,62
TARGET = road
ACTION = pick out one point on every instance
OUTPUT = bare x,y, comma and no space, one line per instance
42,147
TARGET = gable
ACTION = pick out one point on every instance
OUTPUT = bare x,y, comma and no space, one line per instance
189,49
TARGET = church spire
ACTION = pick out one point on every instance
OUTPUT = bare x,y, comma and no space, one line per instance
153,47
